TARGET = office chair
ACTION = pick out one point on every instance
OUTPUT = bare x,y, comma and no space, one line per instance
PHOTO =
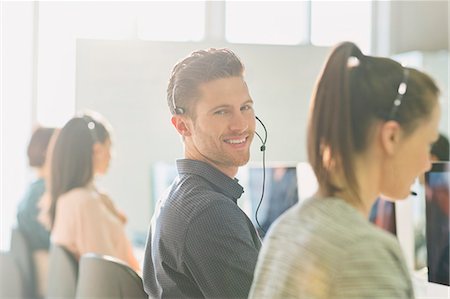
62,273
23,256
104,276
11,282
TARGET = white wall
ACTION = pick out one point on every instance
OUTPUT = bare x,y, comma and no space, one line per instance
126,82
435,64
419,25
16,108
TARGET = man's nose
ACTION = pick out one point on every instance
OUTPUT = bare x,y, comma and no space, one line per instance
238,123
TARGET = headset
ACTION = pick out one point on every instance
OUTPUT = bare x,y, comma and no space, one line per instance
263,149
179,111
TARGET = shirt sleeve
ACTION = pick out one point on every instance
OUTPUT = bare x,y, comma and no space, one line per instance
373,268
220,252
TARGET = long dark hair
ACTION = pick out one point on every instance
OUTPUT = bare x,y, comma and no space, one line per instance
352,93
71,164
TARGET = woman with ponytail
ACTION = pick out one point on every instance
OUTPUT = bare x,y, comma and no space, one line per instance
82,219
371,124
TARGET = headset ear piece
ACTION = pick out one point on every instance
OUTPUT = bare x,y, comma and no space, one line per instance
179,110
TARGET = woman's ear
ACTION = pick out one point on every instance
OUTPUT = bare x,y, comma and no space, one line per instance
96,151
390,132
181,125
96,148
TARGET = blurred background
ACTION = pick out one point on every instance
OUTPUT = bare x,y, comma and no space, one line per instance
58,58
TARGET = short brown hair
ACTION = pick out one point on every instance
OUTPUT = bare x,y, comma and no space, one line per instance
352,93
199,67
37,148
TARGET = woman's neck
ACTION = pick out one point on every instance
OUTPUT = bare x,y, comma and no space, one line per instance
367,181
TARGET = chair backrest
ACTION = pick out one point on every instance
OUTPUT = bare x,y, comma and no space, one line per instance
21,252
62,273
11,282
107,277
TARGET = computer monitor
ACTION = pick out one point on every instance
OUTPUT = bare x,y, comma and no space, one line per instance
383,214
280,192
437,185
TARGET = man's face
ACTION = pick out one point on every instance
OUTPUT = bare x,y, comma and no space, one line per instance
224,125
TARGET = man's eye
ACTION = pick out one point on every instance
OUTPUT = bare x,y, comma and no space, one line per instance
220,112
246,107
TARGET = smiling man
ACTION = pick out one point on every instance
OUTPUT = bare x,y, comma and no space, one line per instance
200,243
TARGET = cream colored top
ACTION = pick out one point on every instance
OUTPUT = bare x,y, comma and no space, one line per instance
326,249
87,221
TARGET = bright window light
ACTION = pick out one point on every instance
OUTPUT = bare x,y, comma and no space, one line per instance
336,21
172,21
260,22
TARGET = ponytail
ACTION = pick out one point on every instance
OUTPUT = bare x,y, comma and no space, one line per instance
330,129
353,92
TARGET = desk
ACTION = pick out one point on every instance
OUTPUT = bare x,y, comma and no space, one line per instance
427,290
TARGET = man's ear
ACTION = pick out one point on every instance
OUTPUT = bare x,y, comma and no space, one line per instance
181,125
391,133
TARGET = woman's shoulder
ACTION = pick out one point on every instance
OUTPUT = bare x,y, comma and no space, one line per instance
79,196
329,223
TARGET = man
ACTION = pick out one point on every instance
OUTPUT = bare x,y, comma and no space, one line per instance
201,244
440,149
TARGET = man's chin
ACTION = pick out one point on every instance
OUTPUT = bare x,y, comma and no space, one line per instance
242,162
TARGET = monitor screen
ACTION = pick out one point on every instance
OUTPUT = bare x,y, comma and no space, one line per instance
383,215
280,192
437,185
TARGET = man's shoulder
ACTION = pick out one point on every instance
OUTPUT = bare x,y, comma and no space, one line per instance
195,193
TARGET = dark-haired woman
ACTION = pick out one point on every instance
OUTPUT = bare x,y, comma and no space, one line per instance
371,125
83,219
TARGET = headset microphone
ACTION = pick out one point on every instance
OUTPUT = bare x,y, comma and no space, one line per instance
263,149
263,146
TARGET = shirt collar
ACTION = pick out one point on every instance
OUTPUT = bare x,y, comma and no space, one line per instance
228,186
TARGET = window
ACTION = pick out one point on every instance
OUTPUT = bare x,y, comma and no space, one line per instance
176,21
336,21
321,23
284,23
